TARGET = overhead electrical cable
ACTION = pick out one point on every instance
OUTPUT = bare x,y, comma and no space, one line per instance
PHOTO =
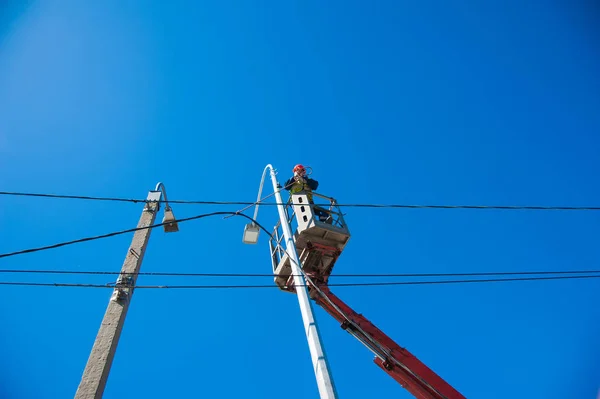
235,286
116,233
272,286
349,205
362,275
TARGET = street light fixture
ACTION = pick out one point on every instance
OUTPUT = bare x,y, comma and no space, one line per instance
320,365
251,232
171,225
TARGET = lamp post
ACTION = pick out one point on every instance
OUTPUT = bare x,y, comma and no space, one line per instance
251,231
99,363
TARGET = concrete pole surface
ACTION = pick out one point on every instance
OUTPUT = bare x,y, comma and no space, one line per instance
98,366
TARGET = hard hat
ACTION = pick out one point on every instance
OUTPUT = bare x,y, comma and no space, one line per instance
298,168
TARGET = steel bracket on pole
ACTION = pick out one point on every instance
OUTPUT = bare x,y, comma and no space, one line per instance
124,281
153,197
123,287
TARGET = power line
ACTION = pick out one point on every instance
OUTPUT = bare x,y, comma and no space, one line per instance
80,197
176,274
350,205
389,283
116,233
30,250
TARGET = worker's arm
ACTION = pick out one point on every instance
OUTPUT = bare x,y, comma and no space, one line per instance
312,183
288,184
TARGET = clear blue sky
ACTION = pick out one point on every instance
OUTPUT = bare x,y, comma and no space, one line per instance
391,102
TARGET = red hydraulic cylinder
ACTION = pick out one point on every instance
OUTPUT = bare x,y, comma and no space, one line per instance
398,362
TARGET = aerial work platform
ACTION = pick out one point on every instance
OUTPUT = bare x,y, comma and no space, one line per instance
320,235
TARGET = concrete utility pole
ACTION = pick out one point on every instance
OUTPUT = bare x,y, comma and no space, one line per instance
98,366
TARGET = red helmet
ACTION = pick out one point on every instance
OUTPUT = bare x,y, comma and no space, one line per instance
299,168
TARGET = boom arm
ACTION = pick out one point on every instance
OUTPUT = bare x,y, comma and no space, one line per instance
398,362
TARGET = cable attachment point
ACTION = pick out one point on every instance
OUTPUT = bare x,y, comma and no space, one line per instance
123,288
124,281
153,201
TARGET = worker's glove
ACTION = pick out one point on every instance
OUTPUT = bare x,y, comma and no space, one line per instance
300,179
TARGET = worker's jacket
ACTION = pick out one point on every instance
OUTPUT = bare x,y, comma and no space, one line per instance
294,186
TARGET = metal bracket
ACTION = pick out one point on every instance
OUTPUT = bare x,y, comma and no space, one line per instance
387,365
124,281
123,287
153,197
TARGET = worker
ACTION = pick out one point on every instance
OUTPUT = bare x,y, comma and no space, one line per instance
300,182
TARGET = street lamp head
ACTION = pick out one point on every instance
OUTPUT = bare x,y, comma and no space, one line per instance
169,221
251,232
171,225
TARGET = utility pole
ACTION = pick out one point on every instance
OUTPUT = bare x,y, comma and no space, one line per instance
99,363
320,363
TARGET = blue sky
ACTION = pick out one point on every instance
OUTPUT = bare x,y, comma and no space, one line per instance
391,102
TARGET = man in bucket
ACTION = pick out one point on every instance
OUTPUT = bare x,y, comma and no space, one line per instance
301,182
